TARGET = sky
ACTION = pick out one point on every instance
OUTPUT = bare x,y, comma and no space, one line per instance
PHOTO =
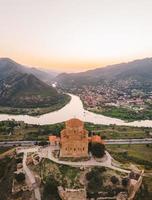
75,35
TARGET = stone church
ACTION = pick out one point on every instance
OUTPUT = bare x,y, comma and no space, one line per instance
74,140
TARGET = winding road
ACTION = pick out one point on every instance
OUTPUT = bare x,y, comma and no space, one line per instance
47,153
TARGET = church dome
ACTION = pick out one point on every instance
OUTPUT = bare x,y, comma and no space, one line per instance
74,123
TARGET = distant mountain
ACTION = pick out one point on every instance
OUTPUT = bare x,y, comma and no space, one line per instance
25,90
23,87
9,67
51,72
138,71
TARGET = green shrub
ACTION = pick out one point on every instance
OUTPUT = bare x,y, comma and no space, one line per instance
20,177
98,150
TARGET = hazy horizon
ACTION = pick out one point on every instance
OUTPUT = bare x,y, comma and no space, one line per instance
77,71
73,36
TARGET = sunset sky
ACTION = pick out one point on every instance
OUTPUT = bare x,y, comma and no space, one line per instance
75,35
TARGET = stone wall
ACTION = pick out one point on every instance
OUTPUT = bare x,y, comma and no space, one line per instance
72,194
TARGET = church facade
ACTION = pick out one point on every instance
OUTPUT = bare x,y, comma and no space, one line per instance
74,140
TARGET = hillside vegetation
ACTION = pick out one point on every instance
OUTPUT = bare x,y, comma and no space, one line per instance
21,91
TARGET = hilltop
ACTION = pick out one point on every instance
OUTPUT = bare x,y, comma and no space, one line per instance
22,92
9,67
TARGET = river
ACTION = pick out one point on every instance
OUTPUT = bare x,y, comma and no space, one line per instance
74,109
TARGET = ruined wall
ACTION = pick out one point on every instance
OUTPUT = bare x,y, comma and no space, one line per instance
72,194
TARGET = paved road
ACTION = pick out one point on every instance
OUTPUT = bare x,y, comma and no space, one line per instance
106,162
47,153
17,143
27,149
112,141
130,141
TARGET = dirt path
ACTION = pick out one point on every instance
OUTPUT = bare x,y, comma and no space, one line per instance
31,177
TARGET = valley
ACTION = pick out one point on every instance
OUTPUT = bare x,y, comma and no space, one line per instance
121,91
117,118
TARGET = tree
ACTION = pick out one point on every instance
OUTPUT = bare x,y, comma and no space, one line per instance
95,184
50,188
114,180
95,172
19,160
94,179
20,177
125,182
98,150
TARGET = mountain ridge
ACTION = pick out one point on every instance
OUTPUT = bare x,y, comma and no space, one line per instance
138,70
19,88
9,66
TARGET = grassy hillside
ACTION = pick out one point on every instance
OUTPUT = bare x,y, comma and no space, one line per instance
26,91
22,91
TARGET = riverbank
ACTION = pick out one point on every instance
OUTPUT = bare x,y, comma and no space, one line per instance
126,114
12,131
74,109
36,111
